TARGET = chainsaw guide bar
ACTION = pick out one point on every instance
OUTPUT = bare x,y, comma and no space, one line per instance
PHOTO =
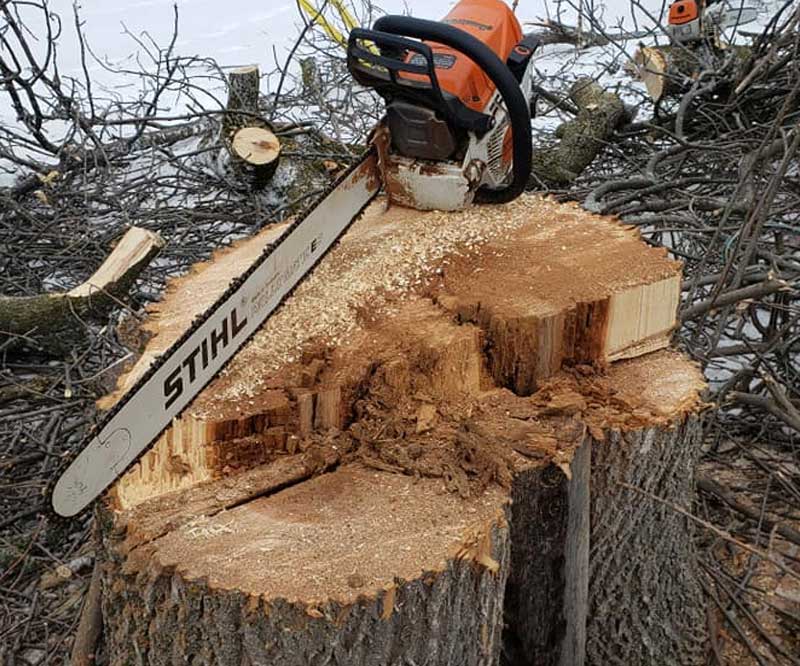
134,424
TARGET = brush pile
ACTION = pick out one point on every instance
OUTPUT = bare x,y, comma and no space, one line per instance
712,175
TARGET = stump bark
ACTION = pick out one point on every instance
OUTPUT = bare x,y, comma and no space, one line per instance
430,454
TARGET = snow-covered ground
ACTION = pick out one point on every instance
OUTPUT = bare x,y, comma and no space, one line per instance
234,33
240,32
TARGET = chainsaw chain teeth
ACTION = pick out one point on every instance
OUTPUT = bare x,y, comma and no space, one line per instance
198,321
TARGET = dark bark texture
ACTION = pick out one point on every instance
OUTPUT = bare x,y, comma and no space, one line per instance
442,618
583,137
645,603
625,592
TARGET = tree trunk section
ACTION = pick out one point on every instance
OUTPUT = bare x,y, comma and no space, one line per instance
670,71
416,460
242,109
662,594
249,139
257,151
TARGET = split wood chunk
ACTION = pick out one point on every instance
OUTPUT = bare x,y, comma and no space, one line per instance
547,284
424,457
651,67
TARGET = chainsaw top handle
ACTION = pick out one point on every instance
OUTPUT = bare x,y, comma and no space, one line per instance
380,69
388,35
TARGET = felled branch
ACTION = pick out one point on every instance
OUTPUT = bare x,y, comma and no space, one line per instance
53,321
90,627
767,521
583,137
734,296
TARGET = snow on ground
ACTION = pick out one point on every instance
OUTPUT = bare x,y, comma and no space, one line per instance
240,32
233,33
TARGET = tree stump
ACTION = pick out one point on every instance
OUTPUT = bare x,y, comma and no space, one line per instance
252,147
456,443
258,150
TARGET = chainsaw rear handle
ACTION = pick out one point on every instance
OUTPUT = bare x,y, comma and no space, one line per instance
500,75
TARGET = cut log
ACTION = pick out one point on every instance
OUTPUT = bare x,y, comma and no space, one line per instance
582,138
423,457
242,109
665,70
669,71
54,322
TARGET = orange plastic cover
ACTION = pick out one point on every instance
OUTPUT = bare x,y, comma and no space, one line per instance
493,23
682,11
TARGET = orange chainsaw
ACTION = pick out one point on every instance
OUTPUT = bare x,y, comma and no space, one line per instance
692,21
458,99
457,129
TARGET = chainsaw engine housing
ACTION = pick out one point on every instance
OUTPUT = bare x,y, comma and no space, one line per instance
684,21
448,119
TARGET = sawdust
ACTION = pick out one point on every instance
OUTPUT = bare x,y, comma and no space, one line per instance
544,264
391,255
343,536
480,441
385,254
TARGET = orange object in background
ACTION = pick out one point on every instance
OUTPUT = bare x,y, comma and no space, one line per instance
683,11
493,23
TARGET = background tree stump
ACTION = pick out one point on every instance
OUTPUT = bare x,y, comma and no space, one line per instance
249,139
417,459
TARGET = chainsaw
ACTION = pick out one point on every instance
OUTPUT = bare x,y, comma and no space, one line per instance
692,21
458,96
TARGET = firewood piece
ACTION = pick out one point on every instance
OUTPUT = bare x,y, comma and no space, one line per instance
651,67
298,513
582,138
53,322
669,71
242,108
